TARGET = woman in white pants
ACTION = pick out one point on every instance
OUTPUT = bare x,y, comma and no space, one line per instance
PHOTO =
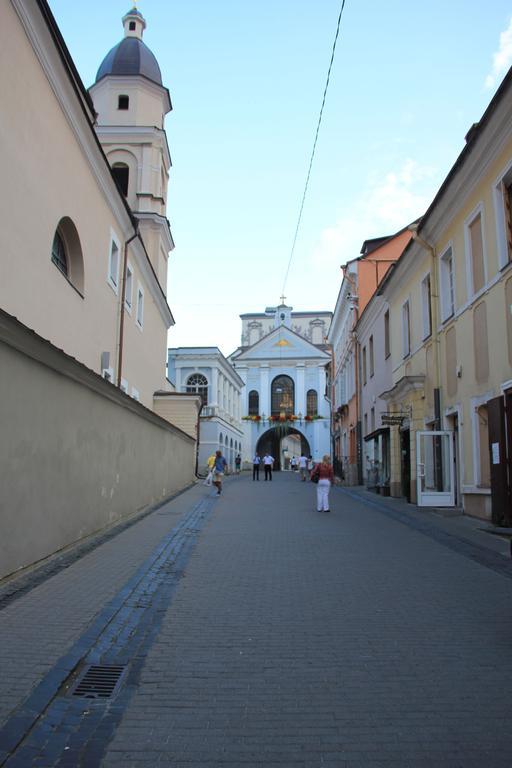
325,476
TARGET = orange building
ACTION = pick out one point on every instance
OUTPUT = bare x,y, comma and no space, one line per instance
361,277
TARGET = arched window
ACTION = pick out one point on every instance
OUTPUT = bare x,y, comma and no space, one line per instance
254,403
282,396
121,174
59,256
198,383
67,253
312,403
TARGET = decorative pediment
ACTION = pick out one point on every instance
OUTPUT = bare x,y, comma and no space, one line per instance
282,344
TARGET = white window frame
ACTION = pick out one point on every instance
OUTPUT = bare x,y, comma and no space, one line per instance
387,335
479,209
475,403
446,288
406,329
128,292
111,274
501,217
139,310
426,306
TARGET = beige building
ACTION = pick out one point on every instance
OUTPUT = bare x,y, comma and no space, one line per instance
84,245
450,300
82,263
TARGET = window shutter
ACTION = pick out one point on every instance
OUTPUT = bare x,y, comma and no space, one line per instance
507,193
477,253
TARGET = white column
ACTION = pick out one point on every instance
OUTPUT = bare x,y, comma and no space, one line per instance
214,386
178,379
220,387
323,409
244,405
300,394
264,389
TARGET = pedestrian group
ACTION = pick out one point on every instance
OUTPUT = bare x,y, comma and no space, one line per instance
321,474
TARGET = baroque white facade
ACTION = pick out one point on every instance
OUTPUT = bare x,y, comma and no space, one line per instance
282,362
205,371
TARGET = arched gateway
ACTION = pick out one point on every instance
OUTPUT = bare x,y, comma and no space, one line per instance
282,442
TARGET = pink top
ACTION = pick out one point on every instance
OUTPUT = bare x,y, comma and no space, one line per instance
324,472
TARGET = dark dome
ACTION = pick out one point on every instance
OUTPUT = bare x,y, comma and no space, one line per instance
130,57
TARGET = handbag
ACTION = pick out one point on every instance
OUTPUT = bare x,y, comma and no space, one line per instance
315,477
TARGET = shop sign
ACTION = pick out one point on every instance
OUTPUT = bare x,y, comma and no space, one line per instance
393,419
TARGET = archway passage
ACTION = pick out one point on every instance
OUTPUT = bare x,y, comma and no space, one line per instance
279,442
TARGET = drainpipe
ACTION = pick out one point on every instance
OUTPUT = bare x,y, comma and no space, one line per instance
434,304
354,298
122,309
198,429
332,407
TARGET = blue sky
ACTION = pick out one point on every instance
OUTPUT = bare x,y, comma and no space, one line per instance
246,82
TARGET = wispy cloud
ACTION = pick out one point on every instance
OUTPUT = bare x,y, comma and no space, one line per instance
502,58
389,202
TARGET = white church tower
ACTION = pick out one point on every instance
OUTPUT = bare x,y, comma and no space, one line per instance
131,104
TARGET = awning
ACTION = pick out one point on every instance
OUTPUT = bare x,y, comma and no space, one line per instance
374,435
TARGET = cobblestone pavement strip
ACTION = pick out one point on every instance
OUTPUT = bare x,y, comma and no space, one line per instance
354,639
70,609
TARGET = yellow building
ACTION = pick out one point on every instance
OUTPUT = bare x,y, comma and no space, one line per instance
451,323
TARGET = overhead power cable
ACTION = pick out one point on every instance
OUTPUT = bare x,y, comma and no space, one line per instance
314,146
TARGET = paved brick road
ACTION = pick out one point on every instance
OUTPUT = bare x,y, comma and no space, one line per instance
302,639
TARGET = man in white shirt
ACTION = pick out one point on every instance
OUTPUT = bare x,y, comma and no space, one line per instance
303,467
268,463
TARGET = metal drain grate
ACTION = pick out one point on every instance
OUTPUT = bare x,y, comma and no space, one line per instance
99,682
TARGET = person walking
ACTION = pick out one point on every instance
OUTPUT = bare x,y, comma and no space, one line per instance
256,467
219,468
209,465
238,463
268,463
311,465
303,467
293,464
323,471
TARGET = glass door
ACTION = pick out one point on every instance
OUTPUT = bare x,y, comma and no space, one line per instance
434,469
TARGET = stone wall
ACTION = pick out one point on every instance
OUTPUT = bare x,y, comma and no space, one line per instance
76,454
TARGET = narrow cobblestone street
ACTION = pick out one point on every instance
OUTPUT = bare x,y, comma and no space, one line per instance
258,632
